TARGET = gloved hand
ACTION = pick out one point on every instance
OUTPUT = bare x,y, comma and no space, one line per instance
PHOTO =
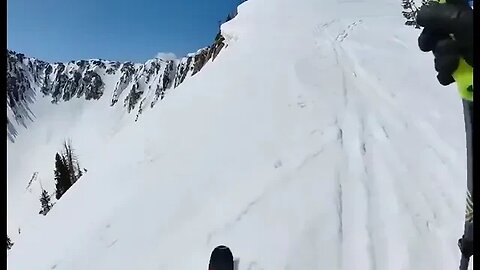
439,21
466,246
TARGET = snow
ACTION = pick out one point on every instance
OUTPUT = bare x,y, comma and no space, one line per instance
317,139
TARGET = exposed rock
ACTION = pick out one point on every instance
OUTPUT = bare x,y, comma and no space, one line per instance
86,78
127,70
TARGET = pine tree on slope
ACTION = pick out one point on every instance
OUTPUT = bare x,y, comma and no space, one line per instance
62,177
46,204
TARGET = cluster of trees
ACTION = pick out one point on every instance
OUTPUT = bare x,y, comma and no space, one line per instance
410,10
67,169
67,172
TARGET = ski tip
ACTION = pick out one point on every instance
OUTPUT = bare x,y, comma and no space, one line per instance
222,252
221,258
222,247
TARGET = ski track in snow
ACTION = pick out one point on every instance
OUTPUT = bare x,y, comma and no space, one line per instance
365,174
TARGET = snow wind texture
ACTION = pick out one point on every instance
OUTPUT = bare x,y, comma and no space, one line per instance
318,139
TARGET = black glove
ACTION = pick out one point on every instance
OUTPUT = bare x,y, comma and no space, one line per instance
466,246
439,21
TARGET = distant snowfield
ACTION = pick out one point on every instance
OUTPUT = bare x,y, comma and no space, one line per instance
318,139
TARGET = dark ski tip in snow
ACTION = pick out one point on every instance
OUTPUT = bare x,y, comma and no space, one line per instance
222,259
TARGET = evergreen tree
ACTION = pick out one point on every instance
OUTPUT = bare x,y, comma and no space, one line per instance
410,11
45,201
62,177
9,243
80,173
71,162
67,169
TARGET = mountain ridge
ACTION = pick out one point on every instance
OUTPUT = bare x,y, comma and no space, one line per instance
138,85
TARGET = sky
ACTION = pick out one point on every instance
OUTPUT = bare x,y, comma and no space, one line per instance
121,30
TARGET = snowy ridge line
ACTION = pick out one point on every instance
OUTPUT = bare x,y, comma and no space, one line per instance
138,85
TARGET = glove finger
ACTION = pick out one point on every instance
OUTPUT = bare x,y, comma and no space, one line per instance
445,47
428,39
446,56
447,64
445,79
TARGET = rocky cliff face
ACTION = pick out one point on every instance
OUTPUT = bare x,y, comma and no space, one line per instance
136,86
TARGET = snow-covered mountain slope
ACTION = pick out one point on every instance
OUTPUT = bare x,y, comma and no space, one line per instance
29,78
48,103
318,139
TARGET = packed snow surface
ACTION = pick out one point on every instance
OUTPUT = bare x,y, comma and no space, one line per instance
318,139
